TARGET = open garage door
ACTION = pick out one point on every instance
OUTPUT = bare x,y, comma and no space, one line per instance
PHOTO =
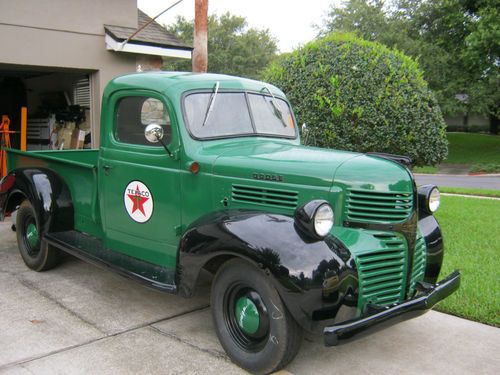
59,106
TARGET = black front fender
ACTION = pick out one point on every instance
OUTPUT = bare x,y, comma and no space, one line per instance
429,227
47,192
314,278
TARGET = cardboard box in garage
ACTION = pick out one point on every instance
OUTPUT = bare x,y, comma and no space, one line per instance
77,138
64,138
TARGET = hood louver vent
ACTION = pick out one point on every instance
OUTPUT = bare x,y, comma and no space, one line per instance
264,196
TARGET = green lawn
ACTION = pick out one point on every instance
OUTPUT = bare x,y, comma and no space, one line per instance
480,151
427,169
473,148
472,245
470,191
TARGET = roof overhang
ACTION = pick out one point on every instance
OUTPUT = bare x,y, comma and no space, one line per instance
145,49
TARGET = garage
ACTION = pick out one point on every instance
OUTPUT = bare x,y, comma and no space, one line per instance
58,104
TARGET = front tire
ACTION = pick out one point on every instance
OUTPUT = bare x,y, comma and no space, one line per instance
36,254
252,323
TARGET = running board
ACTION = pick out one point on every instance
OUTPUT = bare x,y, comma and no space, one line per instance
91,250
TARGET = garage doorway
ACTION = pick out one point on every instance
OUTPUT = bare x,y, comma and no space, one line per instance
59,104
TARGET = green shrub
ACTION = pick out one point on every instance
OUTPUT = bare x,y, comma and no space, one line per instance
362,96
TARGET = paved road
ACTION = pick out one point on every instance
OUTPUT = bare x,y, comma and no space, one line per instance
78,319
481,182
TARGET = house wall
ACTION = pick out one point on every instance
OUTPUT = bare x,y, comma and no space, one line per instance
67,35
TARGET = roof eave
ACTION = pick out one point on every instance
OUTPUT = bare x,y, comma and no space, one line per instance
147,49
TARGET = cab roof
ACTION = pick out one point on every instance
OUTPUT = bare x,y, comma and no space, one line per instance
179,82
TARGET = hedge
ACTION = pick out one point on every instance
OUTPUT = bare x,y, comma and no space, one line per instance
362,96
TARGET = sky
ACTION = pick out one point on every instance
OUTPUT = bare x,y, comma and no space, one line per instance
289,21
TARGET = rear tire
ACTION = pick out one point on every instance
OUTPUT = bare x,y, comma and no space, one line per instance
36,254
252,323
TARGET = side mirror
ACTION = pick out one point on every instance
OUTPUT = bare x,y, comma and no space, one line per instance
153,133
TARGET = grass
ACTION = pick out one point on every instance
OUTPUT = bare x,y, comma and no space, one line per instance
473,148
472,245
480,151
470,191
427,169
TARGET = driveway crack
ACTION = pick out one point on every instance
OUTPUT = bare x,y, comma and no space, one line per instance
28,284
214,353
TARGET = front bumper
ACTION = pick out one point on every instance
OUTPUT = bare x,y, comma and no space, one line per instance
428,295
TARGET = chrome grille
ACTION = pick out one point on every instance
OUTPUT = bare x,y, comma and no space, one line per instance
264,196
370,206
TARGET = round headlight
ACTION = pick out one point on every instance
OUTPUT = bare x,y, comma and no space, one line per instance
314,219
323,220
434,200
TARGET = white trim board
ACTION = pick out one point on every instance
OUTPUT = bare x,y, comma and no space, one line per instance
141,49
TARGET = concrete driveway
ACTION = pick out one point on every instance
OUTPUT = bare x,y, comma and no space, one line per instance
78,319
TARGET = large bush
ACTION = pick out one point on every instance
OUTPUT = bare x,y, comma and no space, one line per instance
362,96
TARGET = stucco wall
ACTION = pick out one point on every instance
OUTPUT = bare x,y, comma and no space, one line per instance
67,34
85,16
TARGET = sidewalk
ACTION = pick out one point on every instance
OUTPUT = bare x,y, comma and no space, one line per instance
454,169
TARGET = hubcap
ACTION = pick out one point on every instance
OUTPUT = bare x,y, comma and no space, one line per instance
247,315
32,235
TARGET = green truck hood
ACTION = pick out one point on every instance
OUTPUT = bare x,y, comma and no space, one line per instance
277,176
372,173
292,164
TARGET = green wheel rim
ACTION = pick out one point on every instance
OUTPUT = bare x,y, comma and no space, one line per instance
247,315
32,235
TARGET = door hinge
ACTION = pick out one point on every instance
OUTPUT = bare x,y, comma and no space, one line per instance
179,229
176,155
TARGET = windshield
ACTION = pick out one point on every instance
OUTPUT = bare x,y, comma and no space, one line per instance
238,113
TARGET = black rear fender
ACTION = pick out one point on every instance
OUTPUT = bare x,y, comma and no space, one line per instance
314,278
47,192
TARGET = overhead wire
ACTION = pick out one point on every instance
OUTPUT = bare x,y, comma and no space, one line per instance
148,23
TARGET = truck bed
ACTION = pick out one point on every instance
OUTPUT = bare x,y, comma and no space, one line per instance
78,168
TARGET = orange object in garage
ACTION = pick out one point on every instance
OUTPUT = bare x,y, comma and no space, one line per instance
4,143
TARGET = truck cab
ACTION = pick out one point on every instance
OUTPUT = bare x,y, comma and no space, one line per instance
207,172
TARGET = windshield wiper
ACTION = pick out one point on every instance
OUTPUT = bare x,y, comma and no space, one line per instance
276,111
211,103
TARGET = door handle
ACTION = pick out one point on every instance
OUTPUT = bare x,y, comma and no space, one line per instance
107,168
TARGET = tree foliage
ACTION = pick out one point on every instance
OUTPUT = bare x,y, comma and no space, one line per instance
233,48
361,96
457,43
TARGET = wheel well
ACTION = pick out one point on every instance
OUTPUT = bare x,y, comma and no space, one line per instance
14,201
216,262
207,272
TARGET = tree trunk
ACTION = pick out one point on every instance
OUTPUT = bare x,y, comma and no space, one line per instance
494,120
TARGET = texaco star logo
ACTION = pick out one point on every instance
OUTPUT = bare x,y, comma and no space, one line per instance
138,201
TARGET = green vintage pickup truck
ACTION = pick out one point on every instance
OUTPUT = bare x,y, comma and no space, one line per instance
207,172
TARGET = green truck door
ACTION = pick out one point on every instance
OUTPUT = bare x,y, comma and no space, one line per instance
139,182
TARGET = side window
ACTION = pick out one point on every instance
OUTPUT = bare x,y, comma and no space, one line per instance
134,113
